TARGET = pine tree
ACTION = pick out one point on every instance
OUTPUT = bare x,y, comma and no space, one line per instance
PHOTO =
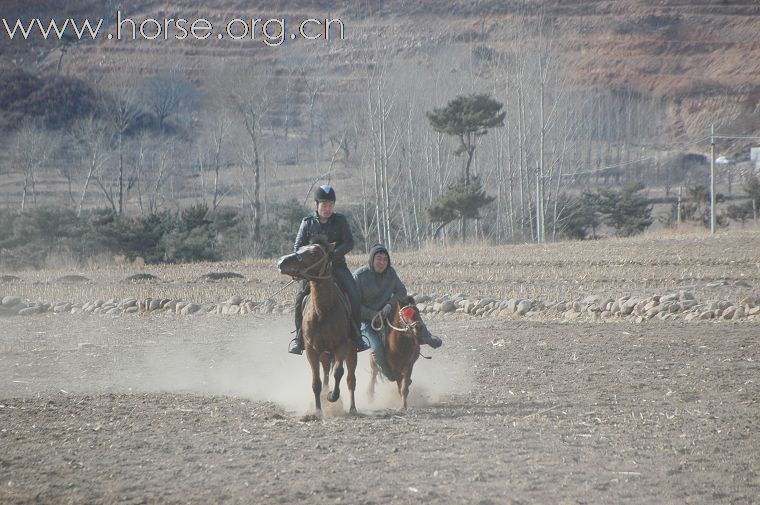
467,117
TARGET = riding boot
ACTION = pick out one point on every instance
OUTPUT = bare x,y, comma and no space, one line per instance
432,341
296,345
358,339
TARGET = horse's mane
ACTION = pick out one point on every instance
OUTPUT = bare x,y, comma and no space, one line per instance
409,300
320,239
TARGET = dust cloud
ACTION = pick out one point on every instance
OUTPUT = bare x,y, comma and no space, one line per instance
207,355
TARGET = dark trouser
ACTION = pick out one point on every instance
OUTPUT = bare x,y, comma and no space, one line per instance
345,281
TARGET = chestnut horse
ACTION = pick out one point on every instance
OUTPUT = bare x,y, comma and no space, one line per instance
326,320
405,332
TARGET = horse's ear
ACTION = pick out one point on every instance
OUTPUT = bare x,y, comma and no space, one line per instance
409,301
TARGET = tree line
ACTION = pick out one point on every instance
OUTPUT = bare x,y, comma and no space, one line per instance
497,146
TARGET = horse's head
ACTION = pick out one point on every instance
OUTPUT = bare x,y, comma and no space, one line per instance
312,261
408,316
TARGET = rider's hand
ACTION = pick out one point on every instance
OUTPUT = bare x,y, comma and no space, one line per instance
386,311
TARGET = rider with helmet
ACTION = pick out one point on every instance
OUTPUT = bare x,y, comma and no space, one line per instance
337,230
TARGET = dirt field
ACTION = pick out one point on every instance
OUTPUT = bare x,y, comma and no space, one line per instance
156,409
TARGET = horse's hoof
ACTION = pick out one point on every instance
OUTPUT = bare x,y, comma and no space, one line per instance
352,410
333,396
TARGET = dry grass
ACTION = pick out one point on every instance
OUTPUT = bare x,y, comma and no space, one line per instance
649,264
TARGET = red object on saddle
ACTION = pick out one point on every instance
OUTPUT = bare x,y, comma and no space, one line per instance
409,312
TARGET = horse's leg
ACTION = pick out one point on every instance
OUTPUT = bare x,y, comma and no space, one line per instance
406,382
316,384
372,379
337,375
326,360
351,378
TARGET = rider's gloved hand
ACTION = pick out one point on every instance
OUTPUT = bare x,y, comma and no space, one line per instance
386,311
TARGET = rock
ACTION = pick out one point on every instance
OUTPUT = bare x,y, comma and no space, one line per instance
131,310
154,305
708,314
524,307
512,305
690,316
685,295
577,307
448,306
86,345
560,307
29,311
7,279
742,284
63,307
72,279
234,309
687,304
422,307
468,306
235,300
130,302
220,276
141,278
570,315
11,301
615,307
672,297
753,311
628,307
170,305
191,308
728,313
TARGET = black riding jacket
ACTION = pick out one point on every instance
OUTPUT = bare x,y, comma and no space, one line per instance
336,229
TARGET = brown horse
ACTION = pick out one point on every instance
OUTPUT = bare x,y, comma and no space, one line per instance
405,332
326,320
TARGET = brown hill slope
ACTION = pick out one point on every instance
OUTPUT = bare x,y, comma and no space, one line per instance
703,57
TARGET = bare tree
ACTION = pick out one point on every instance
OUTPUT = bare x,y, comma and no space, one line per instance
121,103
168,94
32,148
91,137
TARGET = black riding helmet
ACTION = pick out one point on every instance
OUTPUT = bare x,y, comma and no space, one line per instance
324,192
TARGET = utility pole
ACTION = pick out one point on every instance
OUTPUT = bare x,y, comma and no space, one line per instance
712,178
539,206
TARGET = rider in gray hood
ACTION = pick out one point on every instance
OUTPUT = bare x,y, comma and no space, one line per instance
379,290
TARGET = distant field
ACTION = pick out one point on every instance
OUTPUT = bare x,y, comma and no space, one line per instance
725,266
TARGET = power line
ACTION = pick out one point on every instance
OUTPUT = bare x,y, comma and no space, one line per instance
609,167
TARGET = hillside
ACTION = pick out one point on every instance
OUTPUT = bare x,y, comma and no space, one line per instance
702,57
631,89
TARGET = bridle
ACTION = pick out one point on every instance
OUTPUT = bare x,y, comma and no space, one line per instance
323,264
408,325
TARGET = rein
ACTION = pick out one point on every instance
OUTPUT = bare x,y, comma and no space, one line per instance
378,323
323,263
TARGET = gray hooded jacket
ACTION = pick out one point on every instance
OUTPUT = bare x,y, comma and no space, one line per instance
375,290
